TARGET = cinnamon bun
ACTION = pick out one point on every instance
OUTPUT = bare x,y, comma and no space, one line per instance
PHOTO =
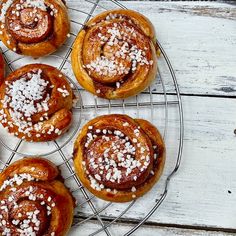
36,102
118,158
34,200
35,28
115,55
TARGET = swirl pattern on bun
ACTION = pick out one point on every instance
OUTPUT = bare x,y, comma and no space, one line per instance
115,55
119,158
35,28
36,102
33,200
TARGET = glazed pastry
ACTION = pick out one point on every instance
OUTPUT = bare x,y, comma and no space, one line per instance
36,102
35,28
33,200
2,69
115,55
118,158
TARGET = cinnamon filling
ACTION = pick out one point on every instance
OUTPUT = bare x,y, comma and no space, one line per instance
30,213
30,25
115,50
27,21
26,209
31,99
114,160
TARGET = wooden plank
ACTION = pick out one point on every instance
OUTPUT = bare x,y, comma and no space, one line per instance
121,229
200,39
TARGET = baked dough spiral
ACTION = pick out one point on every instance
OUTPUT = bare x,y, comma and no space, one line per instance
36,102
2,69
33,27
33,200
118,158
115,55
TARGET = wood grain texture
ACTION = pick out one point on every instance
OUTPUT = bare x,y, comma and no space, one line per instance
121,229
200,39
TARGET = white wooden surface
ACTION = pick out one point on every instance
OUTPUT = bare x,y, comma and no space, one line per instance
200,39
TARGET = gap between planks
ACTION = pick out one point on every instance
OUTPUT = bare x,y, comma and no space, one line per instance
147,230
132,222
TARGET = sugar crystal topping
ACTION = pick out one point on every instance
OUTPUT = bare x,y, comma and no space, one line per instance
118,160
63,91
25,223
105,66
23,93
17,179
35,4
25,97
120,36
4,9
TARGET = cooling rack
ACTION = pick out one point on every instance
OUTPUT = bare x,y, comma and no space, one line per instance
160,104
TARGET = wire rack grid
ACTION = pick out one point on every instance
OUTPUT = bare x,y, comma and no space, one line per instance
147,105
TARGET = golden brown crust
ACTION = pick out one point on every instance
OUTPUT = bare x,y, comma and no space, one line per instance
143,22
2,69
115,55
50,114
32,194
149,151
33,33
